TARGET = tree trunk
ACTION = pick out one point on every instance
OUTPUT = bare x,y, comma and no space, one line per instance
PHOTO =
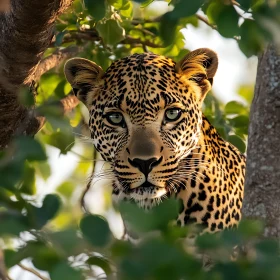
262,184
26,30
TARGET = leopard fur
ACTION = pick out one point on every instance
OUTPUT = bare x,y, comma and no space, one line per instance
146,120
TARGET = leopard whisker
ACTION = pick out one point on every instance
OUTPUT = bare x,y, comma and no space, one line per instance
171,185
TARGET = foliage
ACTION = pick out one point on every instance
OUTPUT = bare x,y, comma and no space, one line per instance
51,230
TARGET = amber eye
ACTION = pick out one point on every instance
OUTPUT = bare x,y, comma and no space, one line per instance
172,114
115,118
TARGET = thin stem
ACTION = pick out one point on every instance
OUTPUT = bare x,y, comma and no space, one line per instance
33,271
205,20
3,272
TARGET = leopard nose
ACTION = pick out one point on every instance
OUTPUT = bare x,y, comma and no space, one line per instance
145,165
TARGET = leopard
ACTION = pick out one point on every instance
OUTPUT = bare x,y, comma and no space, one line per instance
146,120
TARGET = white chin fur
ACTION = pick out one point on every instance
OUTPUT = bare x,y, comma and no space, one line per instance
149,195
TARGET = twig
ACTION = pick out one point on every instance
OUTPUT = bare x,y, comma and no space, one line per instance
90,35
78,35
3,271
54,60
235,3
144,31
142,21
130,40
145,49
205,20
33,271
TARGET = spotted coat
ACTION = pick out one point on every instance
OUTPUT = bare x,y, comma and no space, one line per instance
146,120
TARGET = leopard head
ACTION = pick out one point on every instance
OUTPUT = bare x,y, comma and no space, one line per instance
145,116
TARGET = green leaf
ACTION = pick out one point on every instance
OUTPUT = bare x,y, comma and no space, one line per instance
51,109
59,90
157,259
12,224
127,10
44,257
101,262
43,169
237,142
230,238
208,241
245,4
6,201
71,27
252,40
48,211
96,230
250,228
28,185
235,107
67,242
140,1
64,271
21,149
26,97
241,122
96,8
59,38
145,3
184,8
66,189
48,83
64,141
28,148
226,18
247,92
10,173
167,29
115,2
118,4
227,22
268,248
110,31
12,258
121,248
157,218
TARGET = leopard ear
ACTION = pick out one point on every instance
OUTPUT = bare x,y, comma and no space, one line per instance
199,66
83,75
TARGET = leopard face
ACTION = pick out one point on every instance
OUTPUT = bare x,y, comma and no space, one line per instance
146,120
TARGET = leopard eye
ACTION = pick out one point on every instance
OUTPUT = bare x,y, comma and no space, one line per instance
115,118
172,114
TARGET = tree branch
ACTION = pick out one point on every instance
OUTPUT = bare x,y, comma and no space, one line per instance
137,21
79,35
36,122
130,40
33,271
26,31
54,60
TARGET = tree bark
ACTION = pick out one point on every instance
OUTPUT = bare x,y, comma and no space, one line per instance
262,183
27,29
